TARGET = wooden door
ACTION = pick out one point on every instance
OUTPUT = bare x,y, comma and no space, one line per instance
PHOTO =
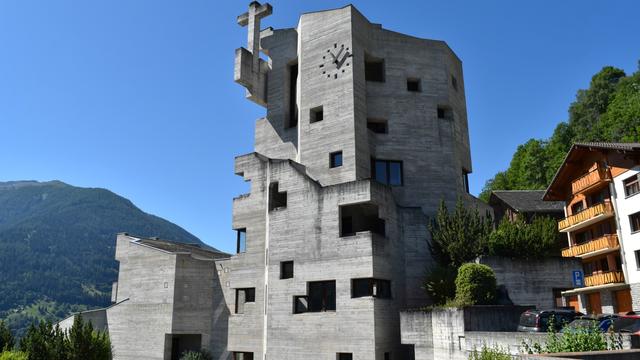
572,301
594,306
623,301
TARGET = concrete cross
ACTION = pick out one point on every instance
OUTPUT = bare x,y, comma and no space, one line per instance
252,19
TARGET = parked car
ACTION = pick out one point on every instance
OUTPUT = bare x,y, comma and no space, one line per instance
538,320
602,322
627,324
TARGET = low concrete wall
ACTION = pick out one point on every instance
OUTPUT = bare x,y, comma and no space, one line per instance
591,355
441,334
97,318
533,282
493,317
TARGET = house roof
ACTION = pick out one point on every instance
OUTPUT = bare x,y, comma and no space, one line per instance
525,201
574,154
178,247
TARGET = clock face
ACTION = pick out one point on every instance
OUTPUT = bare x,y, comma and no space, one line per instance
335,61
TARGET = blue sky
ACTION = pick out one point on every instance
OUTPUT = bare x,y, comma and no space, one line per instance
138,96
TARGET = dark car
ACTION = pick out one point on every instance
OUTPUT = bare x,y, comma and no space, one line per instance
601,322
627,324
539,320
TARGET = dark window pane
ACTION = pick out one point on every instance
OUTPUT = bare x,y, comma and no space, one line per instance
378,127
335,159
301,304
322,296
374,71
635,221
381,171
383,289
241,240
345,356
347,226
360,288
395,173
286,270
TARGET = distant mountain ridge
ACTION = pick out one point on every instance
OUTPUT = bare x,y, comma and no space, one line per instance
57,246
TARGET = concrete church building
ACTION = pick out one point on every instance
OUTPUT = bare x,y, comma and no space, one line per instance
365,133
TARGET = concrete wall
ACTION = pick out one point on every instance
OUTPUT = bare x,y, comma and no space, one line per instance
440,334
97,318
533,282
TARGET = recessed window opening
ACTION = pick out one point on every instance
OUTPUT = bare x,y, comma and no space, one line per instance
387,172
445,112
241,240
344,356
637,253
634,220
286,270
243,296
414,85
378,126
454,83
631,185
371,287
316,114
321,297
465,180
374,69
335,159
359,218
242,355
277,199
292,115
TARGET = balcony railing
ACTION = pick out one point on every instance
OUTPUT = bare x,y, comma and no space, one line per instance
610,277
590,179
604,208
605,242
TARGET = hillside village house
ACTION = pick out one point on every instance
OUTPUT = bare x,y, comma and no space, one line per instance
600,187
524,203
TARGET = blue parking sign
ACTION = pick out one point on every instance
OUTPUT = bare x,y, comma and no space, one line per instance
578,278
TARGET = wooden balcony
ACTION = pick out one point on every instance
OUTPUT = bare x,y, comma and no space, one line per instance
590,180
610,277
586,217
607,242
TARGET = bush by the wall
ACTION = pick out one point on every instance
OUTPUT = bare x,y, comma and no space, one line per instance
196,355
440,284
13,355
475,285
487,353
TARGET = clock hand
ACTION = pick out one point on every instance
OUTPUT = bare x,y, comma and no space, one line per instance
338,54
346,56
333,56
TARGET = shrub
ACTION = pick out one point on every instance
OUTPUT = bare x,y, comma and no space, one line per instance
13,355
6,338
486,353
440,284
475,285
576,340
196,355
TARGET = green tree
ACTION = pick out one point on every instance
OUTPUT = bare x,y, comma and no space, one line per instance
458,237
87,344
475,285
44,342
6,338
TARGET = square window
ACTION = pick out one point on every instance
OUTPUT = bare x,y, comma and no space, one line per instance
244,296
317,114
414,85
335,159
378,126
387,172
444,112
241,244
373,69
286,270
344,356
634,219
631,185
322,296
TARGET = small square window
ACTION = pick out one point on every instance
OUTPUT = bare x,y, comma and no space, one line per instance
344,356
244,296
444,112
414,85
378,126
373,69
634,219
631,185
317,114
286,270
335,159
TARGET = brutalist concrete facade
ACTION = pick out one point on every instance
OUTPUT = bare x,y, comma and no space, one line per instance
324,83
